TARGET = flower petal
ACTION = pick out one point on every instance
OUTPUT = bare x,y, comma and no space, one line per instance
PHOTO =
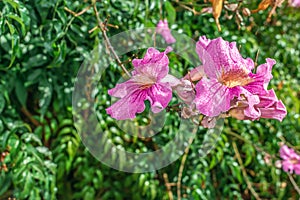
252,100
171,80
297,168
270,107
277,111
185,91
212,98
217,55
123,89
287,166
163,29
286,153
154,64
159,95
261,78
128,106
195,74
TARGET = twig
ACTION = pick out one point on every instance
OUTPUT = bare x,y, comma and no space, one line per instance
256,58
96,27
296,148
167,184
93,29
276,4
160,9
186,151
294,183
30,117
190,9
102,27
249,142
77,14
103,30
249,185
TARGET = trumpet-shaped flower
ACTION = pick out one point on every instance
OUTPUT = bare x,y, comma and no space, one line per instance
268,107
149,81
163,29
227,76
290,160
295,3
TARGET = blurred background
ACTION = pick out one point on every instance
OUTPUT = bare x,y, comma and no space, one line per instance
42,46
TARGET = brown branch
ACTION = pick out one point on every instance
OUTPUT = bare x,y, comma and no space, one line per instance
256,58
186,151
102,27
249,185
276,4
296,187
161,9
77,14
249,142
30,117
108,44
189,9
168,186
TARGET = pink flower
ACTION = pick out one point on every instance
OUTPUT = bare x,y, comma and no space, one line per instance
294,3
229,77
290,160
185,91
195,74
268,107
149,81
163,29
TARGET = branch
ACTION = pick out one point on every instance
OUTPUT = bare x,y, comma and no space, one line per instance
168,186
294,183
30,117
249,142
244,171
77,14
102,27
186,151
276,4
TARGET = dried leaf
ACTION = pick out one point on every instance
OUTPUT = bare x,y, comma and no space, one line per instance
273,10
217,9
263,5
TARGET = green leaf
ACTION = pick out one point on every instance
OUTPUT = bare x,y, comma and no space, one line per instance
46,89
12,3
21,92
1,126
35,61
19,20
2,103
14,43
5,182
33,77
171,12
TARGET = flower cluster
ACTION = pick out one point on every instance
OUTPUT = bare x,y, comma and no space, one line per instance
230,85
224,85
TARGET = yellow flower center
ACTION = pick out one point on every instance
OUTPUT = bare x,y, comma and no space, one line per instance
144,81
294,161
233,78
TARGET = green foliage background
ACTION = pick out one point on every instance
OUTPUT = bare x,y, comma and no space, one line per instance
42,48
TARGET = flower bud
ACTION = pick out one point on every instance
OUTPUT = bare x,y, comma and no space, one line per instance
246,12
